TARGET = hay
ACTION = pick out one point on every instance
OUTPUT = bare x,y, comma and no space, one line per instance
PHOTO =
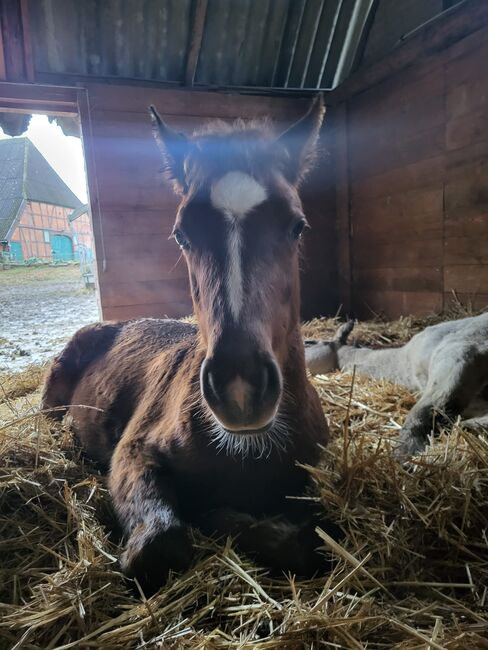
411,573
19,384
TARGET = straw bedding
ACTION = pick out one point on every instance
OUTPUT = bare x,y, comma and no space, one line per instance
411,572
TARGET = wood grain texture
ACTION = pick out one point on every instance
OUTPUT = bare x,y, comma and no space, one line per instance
148,310
393,304
343,221
140,292
418,151
400,279
136,99
139,269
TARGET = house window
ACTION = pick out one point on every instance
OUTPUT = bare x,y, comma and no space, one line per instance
47,236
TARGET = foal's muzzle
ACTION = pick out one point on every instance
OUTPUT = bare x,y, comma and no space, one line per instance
243,391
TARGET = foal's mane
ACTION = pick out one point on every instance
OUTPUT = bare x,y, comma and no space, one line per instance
221,146
262,127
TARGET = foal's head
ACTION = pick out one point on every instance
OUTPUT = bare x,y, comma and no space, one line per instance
239,225
322,356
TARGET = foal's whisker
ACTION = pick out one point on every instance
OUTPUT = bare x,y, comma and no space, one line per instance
252,444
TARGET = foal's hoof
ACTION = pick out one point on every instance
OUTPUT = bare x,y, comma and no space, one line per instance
407,447
149,559
282,546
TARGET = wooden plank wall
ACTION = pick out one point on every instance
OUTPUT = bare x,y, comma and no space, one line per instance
417,146
140,271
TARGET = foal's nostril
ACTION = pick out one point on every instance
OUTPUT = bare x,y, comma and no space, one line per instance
211,383
271,387
208,384
241,392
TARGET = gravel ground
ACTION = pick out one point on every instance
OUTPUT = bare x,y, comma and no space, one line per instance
40,308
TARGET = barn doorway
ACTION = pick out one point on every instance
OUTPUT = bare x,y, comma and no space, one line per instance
47,273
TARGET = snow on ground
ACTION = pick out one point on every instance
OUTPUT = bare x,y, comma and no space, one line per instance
40,308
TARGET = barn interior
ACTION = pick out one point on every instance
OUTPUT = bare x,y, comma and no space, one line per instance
404,140
398,205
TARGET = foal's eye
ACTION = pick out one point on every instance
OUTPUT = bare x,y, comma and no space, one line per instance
298,228
181,240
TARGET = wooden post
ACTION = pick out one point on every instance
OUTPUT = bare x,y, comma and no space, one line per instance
195,44
26,38
12,37
343,225
3,71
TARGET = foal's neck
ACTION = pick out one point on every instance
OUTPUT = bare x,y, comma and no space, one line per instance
381,364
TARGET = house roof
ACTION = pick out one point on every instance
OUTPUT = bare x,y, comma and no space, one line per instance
25,175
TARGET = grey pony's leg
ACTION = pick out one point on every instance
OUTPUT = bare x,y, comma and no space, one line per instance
455,376
478,424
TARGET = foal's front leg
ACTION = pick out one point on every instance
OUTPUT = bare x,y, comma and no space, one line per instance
276,542
157,541
455,375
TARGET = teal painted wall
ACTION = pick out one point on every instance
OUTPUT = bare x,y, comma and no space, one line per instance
62,248
16,251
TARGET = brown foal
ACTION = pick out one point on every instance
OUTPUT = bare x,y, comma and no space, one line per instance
205,426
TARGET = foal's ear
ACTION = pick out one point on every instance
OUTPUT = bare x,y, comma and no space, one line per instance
300,141
174,147
343,332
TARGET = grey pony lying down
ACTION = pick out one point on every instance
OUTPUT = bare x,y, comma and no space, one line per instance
446,363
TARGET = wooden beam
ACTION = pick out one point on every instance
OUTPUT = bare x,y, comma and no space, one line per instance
12,40
3,72
28,98
34,107
92,188
343,222
432,38
198,25
26,37
181,102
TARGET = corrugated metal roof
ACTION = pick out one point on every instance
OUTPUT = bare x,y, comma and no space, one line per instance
282,44
144,39
26,175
